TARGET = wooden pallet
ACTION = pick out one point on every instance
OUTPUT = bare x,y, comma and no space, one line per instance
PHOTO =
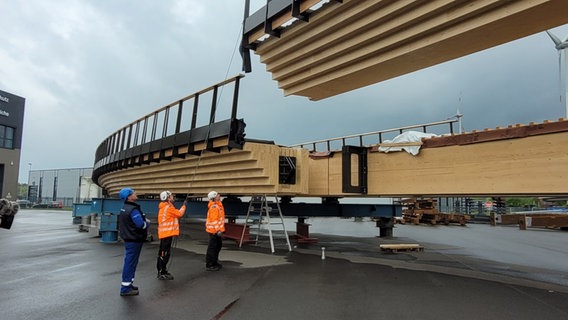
394,248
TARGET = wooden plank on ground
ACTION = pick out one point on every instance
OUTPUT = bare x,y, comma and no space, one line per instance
393,248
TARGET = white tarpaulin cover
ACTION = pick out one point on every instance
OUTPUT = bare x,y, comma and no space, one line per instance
406,138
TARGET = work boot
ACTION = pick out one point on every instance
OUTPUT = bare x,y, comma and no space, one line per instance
133,287
130,292
213,268
165,276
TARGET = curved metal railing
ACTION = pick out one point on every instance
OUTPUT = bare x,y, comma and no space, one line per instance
145,140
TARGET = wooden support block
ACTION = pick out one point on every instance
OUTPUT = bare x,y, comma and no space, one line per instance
507,219
234,231
545,220
394,248
303,233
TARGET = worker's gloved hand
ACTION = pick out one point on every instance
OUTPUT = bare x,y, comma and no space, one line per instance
219,234
185,203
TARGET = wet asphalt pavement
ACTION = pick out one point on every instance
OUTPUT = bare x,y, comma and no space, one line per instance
52,271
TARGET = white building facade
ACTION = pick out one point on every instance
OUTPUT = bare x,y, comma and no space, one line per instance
62,187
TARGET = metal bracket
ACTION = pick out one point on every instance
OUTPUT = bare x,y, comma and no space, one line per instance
268,23
287,170
361,153
296,13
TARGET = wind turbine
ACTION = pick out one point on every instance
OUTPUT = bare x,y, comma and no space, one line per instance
562,64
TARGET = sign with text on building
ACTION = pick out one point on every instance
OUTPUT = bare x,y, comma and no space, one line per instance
12,116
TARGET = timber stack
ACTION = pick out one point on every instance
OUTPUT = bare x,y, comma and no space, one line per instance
418,211
540,219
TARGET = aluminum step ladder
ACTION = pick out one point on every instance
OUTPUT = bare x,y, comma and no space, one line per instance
261,213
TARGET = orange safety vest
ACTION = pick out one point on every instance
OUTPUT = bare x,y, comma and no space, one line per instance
168,224
215,217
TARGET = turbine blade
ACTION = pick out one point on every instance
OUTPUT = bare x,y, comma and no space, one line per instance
554,38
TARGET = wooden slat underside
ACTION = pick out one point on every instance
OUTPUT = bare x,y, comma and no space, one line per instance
357,43
252,170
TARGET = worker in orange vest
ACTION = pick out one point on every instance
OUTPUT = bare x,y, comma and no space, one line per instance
168,228
215,226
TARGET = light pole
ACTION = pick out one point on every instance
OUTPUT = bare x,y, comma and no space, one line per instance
29,181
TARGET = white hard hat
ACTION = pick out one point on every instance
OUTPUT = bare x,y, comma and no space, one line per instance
211,195
165,195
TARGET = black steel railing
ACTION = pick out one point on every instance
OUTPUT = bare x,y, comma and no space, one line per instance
165,129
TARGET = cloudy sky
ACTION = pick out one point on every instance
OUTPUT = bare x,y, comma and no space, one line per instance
87,68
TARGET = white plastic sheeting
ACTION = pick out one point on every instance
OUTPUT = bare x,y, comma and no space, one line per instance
405,140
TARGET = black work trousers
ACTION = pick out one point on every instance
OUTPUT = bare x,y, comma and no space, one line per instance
164,254
213,249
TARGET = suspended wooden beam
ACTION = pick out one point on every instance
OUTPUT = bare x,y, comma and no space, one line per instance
351,44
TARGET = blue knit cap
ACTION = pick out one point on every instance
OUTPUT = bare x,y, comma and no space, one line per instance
125,193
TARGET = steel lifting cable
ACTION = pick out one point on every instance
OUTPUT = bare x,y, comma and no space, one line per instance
174,241
209,129
174,246
238,43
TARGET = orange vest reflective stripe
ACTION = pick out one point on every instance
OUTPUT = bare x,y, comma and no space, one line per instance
215,217
168,224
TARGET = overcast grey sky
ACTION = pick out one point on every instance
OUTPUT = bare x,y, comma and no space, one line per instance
87,68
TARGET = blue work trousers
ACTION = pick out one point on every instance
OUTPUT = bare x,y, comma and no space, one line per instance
131,254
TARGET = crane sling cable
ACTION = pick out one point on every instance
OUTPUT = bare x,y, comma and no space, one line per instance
174,242
175,239
237,45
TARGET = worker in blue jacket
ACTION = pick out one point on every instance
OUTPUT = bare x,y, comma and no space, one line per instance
133,227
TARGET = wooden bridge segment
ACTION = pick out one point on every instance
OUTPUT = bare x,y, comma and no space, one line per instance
252,170
349,44
493,163
514,161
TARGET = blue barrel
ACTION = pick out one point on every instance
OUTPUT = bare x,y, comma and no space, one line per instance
109,236
109,227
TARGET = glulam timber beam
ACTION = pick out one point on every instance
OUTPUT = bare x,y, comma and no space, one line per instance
352,44
518,160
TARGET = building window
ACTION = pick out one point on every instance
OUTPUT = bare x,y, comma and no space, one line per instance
6,137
